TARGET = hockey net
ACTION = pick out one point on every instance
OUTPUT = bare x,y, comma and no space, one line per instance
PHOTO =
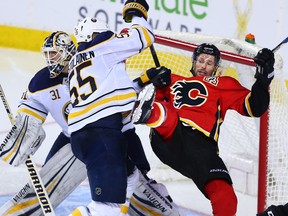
239,138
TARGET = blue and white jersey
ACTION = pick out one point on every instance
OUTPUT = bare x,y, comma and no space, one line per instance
47,95
99,83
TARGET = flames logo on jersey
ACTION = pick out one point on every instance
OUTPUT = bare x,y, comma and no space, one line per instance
189,93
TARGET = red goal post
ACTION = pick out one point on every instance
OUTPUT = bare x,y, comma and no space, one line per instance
261,158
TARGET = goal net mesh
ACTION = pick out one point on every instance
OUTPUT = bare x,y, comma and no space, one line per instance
239,136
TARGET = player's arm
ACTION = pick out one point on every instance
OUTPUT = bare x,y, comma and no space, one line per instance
258,100
138,37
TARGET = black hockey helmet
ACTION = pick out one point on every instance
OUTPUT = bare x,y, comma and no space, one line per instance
209,49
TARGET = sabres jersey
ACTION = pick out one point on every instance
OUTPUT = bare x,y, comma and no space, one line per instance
47,95
99,83
202,102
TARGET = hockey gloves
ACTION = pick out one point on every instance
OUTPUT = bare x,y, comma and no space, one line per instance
160,77
279,210
135,8
264,65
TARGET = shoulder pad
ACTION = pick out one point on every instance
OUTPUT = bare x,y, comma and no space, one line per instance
42,80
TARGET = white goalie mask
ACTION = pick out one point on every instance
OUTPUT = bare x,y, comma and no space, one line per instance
86,27
58,49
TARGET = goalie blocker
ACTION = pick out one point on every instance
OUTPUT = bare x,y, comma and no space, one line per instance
23,140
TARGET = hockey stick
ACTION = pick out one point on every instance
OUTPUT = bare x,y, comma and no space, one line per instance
154,56
37,183
279,45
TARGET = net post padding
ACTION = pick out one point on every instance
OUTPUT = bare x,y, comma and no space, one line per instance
262,166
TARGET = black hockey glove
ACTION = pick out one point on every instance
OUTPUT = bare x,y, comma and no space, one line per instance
160,77
264,65
135,8
275,210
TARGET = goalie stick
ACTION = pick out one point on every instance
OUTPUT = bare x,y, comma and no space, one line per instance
61,175
33,173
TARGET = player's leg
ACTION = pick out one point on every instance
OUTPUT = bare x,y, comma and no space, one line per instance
58,144
155,114
208,171
103,150
135,149
222,197
195,156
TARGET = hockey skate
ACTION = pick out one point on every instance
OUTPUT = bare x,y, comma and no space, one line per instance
143,105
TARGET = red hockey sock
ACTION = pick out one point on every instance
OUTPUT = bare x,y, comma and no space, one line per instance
157,116
163,119
222,198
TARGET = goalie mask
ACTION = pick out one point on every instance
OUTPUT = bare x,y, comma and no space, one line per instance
86,27
58,49
209,49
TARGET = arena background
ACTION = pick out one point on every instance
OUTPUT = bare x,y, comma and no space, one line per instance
25,23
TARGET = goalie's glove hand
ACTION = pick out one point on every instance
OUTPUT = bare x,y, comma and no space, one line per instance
160,77
23,140
264,65
135,8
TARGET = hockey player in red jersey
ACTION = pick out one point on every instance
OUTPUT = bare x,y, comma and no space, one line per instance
185,115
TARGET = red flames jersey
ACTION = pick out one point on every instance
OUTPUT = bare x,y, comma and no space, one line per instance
202,102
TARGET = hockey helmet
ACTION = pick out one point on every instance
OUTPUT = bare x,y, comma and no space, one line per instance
86,27
209,49
58,49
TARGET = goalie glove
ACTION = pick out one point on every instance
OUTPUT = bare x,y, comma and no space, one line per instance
135,8
24,138
264,66
160,77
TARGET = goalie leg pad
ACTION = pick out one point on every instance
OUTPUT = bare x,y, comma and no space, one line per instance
60,175
24,138
152,198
